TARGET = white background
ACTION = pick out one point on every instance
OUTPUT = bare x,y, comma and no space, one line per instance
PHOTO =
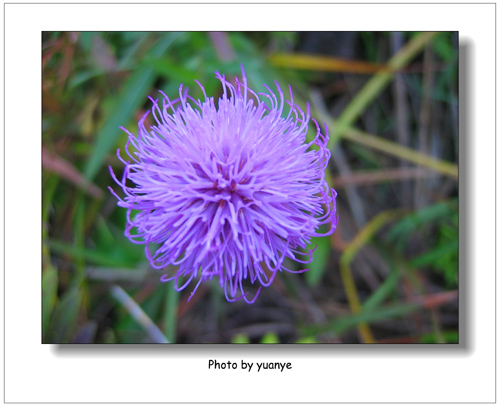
337,373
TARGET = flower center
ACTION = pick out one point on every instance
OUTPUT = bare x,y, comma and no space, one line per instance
221,184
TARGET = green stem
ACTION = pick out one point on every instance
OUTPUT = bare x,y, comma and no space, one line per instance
170,316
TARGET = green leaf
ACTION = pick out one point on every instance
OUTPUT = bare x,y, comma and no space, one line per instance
270,338
130,99
450,337
433,255
384,290
88,255
49,296
443,46
63,323
172,71
317,267
240,339
404,228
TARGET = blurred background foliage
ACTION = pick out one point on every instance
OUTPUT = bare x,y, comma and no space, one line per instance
388,275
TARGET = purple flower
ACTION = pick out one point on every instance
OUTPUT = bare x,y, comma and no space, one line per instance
228,189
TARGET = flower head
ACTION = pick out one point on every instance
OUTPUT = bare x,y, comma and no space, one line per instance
227,189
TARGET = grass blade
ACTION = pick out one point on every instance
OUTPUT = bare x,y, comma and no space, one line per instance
384,290
364,235
343,324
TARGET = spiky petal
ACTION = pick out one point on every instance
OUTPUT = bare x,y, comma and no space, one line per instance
228,190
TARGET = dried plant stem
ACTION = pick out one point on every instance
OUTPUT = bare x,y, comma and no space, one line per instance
354,303
56,164
378,176
391,148
222,46
402,119
138,314
340,160
325,63
425,123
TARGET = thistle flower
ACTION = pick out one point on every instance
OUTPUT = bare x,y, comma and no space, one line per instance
227,190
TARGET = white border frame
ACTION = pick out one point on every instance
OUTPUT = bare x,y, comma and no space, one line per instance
177,374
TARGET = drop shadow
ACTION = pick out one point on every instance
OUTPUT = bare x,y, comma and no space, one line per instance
304,351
